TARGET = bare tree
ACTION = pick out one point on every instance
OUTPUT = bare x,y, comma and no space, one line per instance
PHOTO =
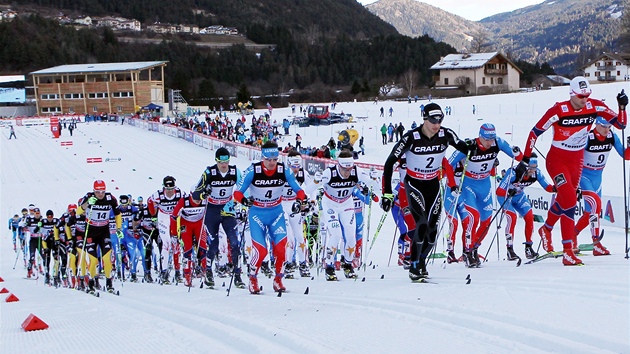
480,41
462,82
410,77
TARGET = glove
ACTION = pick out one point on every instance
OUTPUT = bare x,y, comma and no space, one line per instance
70,246
246,202
92,200
578,193
296,207
516,150
386,202
471,144
119,233
181,243
554,189
375,198
136,234
455,190
39,224
511,192
318,177
520,170
365,191
622,100
496,163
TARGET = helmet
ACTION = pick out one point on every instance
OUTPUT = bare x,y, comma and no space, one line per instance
49,213
140,199
169,182
487,131
124,199
72,207
222,155
99,185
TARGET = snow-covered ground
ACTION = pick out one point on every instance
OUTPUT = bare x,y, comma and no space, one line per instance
542,307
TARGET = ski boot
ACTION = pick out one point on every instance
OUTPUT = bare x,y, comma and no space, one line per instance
511,255
148,278
475,256
304,270
238,282
529,251
64,282
348,271
209,280
80,283
96,283
47,279
545,235
164,278
109,286
264,267
451,258
253,284
289,269
91,287
330,273
222,271
600,250
178,277
469,259
56,281
29,272
277,284
134,278
569,258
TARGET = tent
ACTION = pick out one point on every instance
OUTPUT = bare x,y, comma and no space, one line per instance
151,107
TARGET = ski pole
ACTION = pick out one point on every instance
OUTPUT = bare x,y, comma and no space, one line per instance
240,246
491,220
625,194
378,230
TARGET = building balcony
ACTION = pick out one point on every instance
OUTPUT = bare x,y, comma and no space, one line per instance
607,68
606,78
495,71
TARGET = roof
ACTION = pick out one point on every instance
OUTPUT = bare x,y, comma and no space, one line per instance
102,67
622,57
559,79
468,61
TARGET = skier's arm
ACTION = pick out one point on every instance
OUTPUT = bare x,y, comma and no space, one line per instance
625,154
543,181
243,184
398,151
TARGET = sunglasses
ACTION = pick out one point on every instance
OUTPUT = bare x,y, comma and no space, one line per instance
582,96
270,159
222,161
435,120
169,188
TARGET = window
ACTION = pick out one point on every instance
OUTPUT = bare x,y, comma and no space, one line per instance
483,80
618,73
587,74
119,108
446,81
98,95
94,109
500,81
71,109
597,73
50,96
51,109
491,81
122,94
72,96
491,66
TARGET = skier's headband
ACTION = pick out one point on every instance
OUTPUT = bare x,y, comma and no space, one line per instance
270,153
346,162
533,163
223,158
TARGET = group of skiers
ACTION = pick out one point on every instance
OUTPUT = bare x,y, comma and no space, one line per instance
582,141
293,221
275,213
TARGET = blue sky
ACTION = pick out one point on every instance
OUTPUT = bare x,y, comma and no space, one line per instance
474,10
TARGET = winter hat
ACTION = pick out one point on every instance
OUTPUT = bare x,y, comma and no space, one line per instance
580,86
222,155
601,120
99,185
487,131
433,113
169,182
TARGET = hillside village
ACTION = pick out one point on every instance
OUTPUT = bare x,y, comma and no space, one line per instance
125,24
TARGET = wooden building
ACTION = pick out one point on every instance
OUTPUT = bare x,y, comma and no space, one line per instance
116,88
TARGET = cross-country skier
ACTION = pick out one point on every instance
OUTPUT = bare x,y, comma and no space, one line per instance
97,206
76,224
147,229
601,141
338,183
476,189
33,225
216,185
424,148
571,121
161,205
511,186
131,238
265,181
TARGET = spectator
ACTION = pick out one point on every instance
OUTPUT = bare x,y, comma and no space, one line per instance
384,133
298,141
361,146
400,131
382,112
391,111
